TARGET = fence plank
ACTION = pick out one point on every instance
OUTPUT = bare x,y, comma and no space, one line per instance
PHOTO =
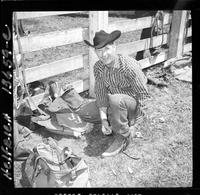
187,48
79,86
190,17
135,24
177,33
55,68
52,39
59,38
140,45
145,63
189,32
98,20
69,64
25,15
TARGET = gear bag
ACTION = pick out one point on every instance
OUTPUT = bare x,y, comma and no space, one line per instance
63,118
51,166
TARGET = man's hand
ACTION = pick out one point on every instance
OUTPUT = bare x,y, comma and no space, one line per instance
106,129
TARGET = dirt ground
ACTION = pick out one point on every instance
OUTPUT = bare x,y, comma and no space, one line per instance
165,152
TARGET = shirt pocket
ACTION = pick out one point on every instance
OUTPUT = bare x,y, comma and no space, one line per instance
107,85
124,85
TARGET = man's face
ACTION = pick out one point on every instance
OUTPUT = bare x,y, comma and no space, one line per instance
106,54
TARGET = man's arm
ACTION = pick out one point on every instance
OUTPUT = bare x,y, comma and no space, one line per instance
101,98
106,129
100,88
103,113
137,79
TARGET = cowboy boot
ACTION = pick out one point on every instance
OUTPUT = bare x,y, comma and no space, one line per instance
72,98
51,92
118,145
54,90
46,100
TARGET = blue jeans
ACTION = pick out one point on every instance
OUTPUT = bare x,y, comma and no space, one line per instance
121,113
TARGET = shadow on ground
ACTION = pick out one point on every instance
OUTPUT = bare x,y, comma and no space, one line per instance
97,143
24,180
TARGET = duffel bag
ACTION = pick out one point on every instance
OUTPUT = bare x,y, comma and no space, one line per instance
51,166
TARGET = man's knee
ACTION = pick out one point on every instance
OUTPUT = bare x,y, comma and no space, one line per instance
114,100
122,101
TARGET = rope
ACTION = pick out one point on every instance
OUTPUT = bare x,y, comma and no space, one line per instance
134,158
26,91
159,16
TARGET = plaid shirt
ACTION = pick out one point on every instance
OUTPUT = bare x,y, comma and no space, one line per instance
125,77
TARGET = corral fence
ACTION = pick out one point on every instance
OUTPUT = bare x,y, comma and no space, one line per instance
178,40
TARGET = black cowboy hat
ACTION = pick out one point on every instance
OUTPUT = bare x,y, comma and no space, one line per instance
102,38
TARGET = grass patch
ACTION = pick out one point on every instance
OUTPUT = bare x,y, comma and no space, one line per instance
165,153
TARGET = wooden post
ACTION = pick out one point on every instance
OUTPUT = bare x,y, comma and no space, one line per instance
98,20
176,41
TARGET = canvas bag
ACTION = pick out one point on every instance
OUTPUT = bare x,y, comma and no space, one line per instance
63,120
51,166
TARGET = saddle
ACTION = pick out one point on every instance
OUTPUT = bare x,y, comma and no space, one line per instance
62,118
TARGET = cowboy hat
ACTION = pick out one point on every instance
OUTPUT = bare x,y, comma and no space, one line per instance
102,38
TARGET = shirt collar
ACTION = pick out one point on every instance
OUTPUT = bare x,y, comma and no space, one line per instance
116,63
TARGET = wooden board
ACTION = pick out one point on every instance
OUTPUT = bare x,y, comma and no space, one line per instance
32,43
73,63
177,33
55,68
135,24
58,38
187,48
189,32
145,63
190,17
98,20
140,45
33,14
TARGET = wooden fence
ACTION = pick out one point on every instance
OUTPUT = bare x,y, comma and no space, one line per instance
99,20
187,33
179,33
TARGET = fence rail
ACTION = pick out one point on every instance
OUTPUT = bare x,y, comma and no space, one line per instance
135,24
32,43
80,61
59,38
26,15
187,48
52,39
128,48
55,68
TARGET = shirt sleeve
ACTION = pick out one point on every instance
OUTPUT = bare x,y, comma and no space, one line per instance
137,79
100,88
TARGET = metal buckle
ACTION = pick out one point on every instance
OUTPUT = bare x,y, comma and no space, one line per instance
73,174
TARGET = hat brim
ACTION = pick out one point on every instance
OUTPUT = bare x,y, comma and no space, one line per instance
112,37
